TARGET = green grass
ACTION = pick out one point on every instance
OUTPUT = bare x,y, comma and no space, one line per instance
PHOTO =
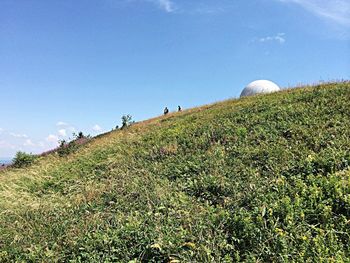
258,179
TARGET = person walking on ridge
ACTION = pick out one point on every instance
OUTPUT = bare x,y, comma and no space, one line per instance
166,111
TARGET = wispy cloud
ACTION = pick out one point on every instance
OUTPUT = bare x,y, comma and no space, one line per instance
62,132
10,142
61,123
6,145
208,10
16,135
52,138
167,5
28,142
279,38
335,10
64,128
97,128
191,7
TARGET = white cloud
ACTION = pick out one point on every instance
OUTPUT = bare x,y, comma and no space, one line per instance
6,145
166,5
65,126
52,138
280,38
62,132
335,10
208,10
97,128
61,123
16,135
28,142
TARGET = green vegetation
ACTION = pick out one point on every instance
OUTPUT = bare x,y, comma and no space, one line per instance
23,159
126,121
258,179
65,148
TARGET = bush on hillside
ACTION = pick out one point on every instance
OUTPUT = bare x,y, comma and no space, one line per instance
80,135
66,148
23,159
78,140
126,121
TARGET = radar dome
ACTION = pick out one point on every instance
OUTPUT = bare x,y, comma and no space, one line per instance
258,87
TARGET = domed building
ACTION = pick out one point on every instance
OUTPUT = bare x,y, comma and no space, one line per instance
259,87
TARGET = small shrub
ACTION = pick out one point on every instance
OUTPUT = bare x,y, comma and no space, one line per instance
126,121
80,135
23,159
78,140
66,148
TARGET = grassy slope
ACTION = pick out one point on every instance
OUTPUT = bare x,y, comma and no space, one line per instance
262,178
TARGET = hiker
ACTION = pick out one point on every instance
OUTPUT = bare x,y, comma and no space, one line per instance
166,111
179,108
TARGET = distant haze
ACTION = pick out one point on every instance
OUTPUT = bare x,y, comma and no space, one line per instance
5,160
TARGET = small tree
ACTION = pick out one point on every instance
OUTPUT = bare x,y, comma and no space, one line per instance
126,121
80,135
62,143
23,159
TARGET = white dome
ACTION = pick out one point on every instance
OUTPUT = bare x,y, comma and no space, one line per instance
258,87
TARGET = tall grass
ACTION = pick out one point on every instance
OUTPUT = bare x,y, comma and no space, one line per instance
258,179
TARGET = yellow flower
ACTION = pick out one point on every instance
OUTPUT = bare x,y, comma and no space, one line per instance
280,231
156,246
189,245
270,211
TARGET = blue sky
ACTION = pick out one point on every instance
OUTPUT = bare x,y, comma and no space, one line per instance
68,66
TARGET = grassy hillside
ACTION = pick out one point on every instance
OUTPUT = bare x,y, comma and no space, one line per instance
258,179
